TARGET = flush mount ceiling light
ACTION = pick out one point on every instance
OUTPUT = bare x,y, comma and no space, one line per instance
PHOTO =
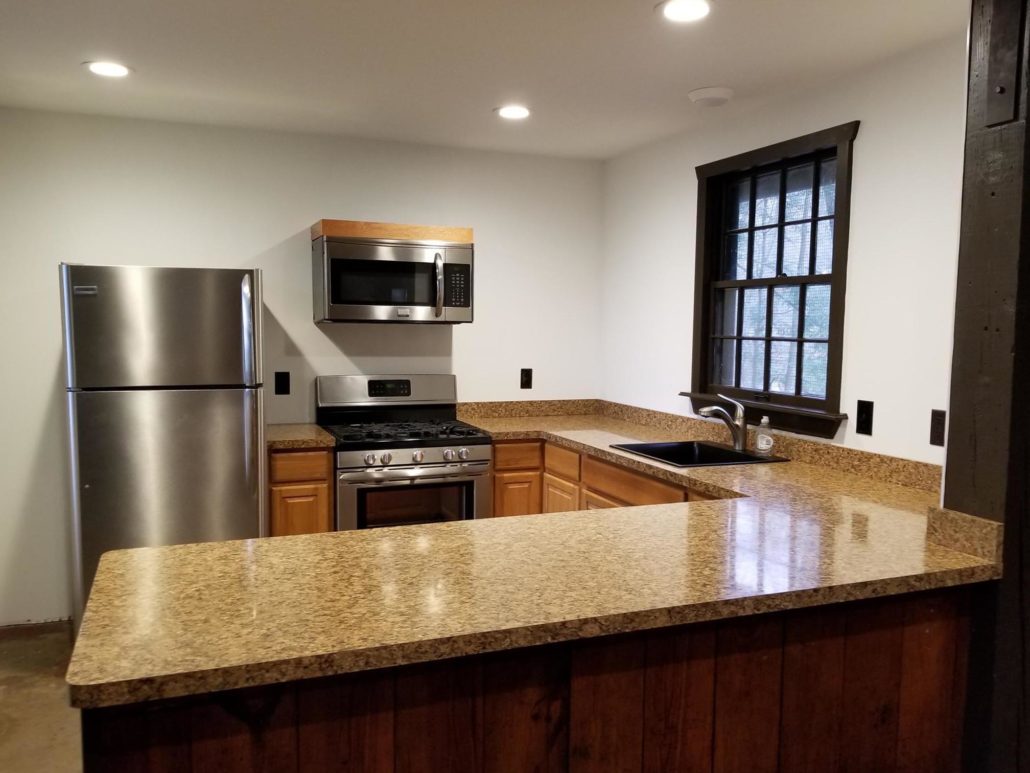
513,112
681,11
107,69
711,96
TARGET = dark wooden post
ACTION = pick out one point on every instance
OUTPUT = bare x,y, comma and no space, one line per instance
987,464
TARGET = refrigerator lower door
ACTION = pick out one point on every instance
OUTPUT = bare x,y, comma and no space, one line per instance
164,467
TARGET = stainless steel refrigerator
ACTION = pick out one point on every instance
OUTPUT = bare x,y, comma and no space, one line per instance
164,406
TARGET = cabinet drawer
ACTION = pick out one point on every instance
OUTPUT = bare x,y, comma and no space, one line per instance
518,456
697,496
561,462
626,486
591,500
300,466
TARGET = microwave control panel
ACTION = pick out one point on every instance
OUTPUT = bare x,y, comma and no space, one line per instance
457,279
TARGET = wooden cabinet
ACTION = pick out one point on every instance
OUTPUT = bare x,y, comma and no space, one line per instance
516,493
559,495
591,500
533,477
300,495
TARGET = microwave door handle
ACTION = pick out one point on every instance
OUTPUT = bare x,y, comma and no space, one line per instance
439,284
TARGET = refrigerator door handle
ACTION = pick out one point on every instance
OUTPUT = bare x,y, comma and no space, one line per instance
250,362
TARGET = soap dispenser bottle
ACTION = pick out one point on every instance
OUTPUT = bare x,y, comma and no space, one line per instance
764,441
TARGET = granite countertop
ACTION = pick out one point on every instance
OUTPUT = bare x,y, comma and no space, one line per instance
297,437
167,622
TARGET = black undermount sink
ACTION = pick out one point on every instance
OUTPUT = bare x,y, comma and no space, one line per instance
694,453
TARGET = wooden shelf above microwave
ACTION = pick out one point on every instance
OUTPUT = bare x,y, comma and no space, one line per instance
360,229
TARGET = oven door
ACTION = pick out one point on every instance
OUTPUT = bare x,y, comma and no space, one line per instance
397,283
405,496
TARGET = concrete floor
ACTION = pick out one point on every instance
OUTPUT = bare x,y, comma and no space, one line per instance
39,731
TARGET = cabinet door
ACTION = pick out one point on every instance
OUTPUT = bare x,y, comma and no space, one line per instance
301,508
560,496
591,500
516,493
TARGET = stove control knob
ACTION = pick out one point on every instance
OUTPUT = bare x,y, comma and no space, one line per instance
463,453
418,456
386,458
448,455
370,459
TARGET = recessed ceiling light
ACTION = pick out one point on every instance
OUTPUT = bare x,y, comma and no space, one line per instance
513,112
684,10
107,69
711,96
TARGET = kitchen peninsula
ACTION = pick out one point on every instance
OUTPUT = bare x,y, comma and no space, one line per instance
809,616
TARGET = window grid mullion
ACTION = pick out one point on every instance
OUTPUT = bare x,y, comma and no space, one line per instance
782,215
813,237
740,340
752,184
802,296
768,337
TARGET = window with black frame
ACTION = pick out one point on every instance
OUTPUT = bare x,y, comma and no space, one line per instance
771,280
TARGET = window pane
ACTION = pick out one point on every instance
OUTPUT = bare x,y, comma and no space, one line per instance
765,253
785,312
813,370
752,365
799,193
738,204
767,199
817,311
797,243
726,312
827,187
754,311
724,361
783,359
824,247
734,257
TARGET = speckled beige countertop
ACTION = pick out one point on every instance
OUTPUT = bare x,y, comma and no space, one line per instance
166,622
293,437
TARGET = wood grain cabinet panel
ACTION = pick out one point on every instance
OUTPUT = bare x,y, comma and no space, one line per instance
561,462
301,508
516,493
559,495
591,500
628,486
300,466
518,456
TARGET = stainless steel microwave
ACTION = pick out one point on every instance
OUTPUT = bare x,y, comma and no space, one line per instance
362,280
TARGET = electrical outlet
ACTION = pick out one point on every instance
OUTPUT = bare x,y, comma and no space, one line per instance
864,418
282,382
526,378
938,420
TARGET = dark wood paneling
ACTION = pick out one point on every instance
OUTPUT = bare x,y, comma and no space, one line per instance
813,691
927,686
679,700
347,724
439,717
872,687
526,711
252,730
606,714
747,695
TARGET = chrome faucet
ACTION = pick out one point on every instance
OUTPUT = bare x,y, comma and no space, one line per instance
737,423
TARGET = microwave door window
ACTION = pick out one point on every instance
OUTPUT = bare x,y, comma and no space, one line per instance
382,283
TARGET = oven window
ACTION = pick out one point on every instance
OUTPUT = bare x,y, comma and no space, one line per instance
382,283
398,506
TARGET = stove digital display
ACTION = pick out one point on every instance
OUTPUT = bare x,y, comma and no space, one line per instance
391,388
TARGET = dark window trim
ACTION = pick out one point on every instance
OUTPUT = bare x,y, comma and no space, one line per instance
821,418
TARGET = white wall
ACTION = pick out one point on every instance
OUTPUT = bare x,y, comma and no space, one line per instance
89,189
906,196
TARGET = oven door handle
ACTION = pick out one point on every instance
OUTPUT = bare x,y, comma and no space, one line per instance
438,261
408,477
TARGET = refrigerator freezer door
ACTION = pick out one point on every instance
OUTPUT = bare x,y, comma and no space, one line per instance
136,326
164,467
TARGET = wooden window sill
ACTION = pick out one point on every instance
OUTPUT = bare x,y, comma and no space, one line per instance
803,421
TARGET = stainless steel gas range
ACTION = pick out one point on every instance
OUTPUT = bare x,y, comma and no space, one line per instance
402,457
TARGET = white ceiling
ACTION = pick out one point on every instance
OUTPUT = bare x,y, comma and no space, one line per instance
601,75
